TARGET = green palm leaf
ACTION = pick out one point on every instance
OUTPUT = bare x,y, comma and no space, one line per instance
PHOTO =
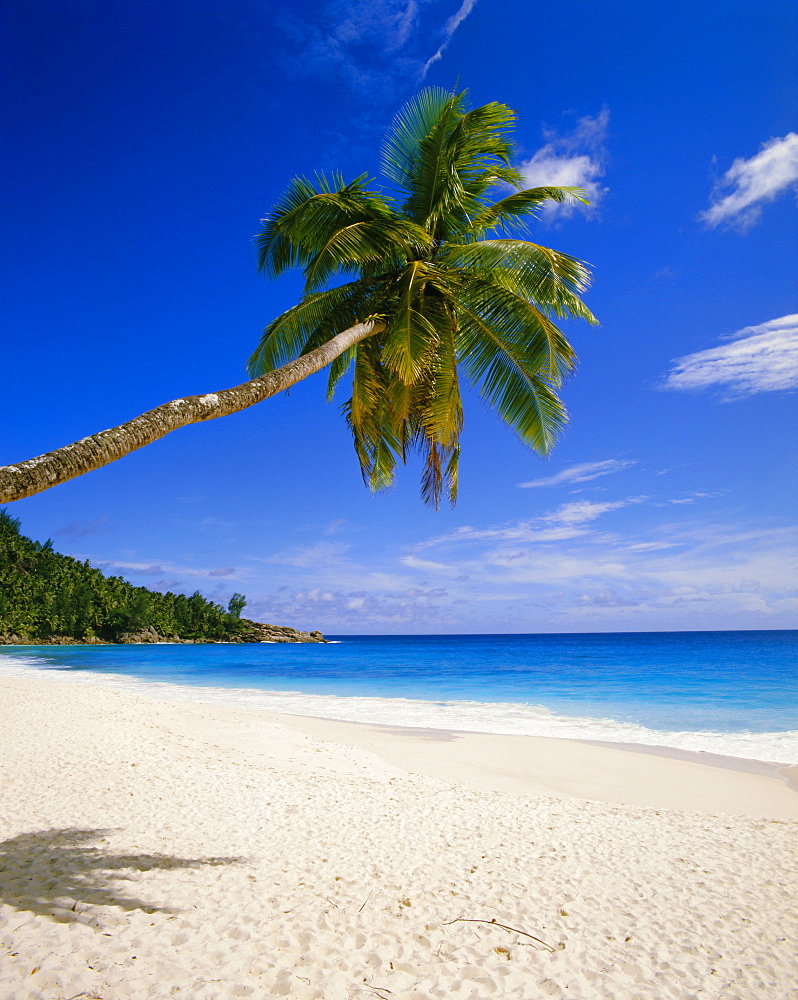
517,207
512,379
314,320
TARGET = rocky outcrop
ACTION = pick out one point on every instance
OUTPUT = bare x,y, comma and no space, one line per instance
259,632
12,639
145,635
248,632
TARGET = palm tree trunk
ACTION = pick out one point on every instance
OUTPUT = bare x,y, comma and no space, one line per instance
38,474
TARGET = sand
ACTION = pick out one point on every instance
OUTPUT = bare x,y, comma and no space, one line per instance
152,849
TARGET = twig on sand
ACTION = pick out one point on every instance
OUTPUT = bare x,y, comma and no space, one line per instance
365,901
81,996
495,923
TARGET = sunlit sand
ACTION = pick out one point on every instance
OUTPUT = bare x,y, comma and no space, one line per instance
153,849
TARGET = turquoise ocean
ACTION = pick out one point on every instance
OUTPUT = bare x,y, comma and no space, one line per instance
733,693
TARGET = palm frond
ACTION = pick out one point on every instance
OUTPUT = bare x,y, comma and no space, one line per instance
549,268
442,413
435,186
317,318
338,369
378,444
514,379
409,129
354,247
410,335
521,204
548,296
481,144
308,214
519,328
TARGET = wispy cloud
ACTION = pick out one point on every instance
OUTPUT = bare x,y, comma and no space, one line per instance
588,564
320,554
581,473
761,358
575,159
583,511
449,29
174,570
344,608
377,47
77,529
362,43
570,520
681,572
748,184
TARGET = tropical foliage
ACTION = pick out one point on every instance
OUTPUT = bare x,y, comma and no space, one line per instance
432,259
43,593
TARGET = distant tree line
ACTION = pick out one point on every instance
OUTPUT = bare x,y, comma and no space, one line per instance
44,593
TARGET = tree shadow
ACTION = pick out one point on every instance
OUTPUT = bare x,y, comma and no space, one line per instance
52,871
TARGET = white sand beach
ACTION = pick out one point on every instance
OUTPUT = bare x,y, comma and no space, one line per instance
153,849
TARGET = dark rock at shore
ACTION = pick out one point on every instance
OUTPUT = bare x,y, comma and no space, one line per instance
260,632
248,632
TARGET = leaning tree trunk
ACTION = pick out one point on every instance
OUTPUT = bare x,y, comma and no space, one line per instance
38,474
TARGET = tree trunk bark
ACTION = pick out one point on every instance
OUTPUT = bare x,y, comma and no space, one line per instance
38,474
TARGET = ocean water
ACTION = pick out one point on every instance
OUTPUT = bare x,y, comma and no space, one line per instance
733,693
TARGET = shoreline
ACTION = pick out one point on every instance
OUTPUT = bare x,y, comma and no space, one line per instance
754,752
208,852
623,774
647,775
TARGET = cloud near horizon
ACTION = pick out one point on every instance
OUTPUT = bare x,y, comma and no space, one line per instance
660,573
576,159
560,571
748,184
761,358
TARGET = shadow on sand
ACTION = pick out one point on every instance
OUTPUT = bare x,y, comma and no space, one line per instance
53,871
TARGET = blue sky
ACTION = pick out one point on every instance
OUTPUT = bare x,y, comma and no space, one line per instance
148,140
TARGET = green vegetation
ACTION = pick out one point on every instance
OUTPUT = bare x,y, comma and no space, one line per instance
44,593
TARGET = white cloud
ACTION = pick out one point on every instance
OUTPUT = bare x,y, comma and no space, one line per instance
353,609
449,29
583,565
573,160
760,358
581,473
570,520
583,511
748,184
695,574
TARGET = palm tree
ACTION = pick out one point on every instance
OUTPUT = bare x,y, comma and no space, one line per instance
437,288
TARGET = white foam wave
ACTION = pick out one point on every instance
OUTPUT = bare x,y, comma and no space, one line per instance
502,718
